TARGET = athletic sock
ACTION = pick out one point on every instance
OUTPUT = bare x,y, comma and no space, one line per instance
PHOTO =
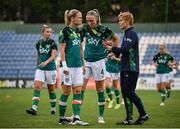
52,97
76,104
117,94
101,103
35,99
109,93
62,105
163,95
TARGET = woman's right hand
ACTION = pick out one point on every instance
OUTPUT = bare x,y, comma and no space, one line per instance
65,68
108,44
66,72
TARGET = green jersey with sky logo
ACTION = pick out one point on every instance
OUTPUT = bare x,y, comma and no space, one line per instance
72,37
162,61
44,49
94,49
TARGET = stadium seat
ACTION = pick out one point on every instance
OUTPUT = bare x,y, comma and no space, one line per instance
18,52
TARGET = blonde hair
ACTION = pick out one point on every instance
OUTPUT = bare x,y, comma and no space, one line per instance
164,46
127,16
95,13
44,27
69,14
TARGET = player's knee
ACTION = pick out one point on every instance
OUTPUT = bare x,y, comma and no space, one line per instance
67,92
77,92
158,87
51,89
37,87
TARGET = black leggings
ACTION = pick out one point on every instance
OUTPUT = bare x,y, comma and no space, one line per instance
128,86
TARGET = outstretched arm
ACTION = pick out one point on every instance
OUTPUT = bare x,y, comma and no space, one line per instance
50,59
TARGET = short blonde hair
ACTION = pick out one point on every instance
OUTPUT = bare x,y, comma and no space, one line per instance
44,27
162,44
127,16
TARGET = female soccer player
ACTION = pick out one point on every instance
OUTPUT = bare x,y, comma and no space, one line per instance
95,55
45,71
72,57
129,68
172,65
112,79
162,61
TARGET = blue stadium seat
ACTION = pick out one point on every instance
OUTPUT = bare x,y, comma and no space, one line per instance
18,52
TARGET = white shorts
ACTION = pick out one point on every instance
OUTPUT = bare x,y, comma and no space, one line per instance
45,76
162,78
75,77
96,69
113,76
171,76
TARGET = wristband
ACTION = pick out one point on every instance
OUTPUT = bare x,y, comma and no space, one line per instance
64,65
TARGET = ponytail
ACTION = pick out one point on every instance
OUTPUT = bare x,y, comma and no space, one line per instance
66,20
99,18
69,14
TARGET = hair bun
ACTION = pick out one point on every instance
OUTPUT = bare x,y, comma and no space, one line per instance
96,10
45,25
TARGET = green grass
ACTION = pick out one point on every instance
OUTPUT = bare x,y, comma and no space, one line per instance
14,102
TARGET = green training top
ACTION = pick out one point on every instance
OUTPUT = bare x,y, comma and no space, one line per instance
72,37
94,49
44,49
162,61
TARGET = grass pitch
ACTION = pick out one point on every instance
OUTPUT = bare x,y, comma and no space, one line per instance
14,102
